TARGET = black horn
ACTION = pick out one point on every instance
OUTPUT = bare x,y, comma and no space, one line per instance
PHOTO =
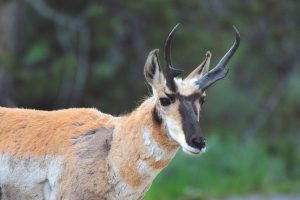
219,71
170,71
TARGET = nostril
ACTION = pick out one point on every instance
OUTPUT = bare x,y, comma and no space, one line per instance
202,143
198,142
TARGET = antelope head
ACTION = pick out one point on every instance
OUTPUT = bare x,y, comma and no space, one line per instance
178,102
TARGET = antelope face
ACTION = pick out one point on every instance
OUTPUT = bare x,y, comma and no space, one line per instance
178,102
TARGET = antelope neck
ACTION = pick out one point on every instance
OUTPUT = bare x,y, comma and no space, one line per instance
140,147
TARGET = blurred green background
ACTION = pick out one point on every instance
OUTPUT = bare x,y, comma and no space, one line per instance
59,54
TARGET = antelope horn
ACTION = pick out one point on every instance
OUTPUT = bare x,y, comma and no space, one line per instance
170,71
219,71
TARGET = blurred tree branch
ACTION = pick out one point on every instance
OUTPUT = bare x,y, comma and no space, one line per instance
272,101
10,25
73,23
5,89
10,39
83,65
76,27
72,88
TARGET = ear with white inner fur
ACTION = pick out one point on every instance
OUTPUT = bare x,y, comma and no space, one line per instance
202,69
152,70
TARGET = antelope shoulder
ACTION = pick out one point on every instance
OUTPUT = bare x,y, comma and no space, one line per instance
51,155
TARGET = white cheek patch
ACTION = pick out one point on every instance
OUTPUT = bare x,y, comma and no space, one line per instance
177,134
175,130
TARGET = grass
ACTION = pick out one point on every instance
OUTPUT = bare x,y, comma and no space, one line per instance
229,167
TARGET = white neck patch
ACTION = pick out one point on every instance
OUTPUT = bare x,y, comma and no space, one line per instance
154,149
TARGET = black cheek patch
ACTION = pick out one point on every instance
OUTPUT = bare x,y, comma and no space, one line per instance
157,119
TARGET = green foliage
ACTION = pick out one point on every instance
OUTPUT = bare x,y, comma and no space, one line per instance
96,11
229,167
104,70
37,53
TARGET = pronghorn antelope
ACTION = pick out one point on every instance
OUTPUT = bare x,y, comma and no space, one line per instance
85,154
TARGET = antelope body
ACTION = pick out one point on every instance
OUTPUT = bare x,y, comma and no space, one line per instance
85,154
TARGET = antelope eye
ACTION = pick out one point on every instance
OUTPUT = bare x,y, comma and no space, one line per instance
165,101
202,100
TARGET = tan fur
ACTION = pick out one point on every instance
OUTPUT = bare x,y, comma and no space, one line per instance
85,154
126,140
77,136
33,132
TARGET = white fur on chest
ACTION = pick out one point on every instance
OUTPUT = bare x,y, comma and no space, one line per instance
122,190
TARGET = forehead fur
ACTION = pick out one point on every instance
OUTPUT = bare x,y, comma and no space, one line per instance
186,87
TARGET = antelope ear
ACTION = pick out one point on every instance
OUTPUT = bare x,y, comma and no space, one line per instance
152,70
202,69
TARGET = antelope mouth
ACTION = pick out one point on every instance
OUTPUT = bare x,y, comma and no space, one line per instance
193,151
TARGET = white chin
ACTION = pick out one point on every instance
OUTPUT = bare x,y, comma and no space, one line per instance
193,151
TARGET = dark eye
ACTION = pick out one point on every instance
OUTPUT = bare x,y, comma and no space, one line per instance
165,101
202,100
